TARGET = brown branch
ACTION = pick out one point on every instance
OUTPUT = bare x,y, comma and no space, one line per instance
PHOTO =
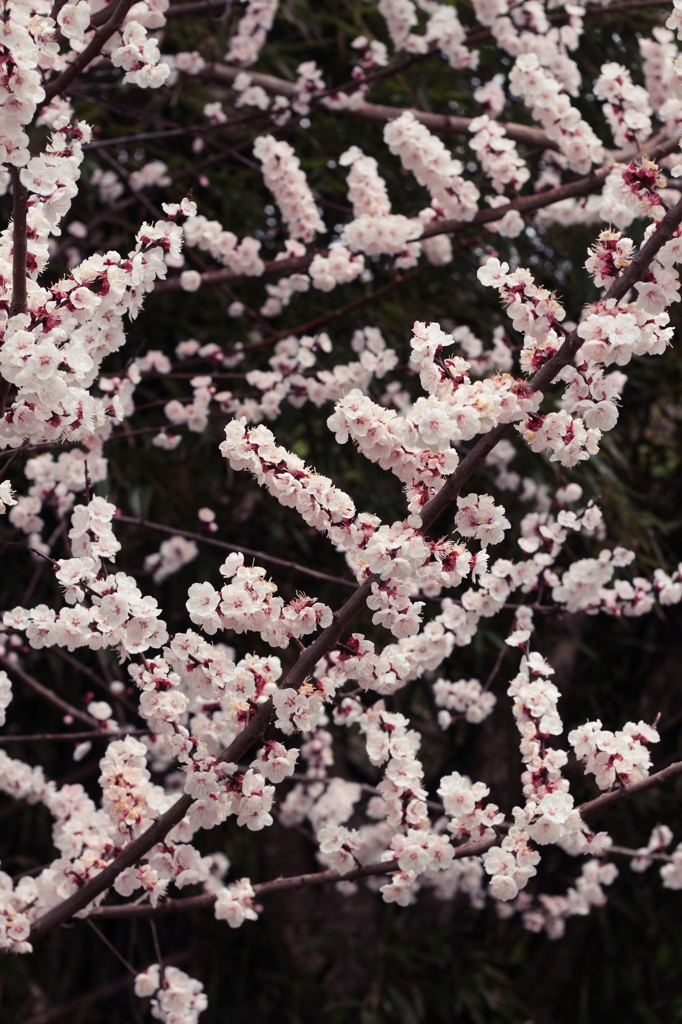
598,11
201,7
377,112
623,851
48,694
656,147
472,849
19,243
100,683
19,258
616,795
126,910
524,204
281,268
92,50
110,945
324,318
260,555
59,737
156,832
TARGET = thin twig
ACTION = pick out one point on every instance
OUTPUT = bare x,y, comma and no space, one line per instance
623,851
99,682
113,949
157,948
251,552
74,1007
64,737
496,667
48,694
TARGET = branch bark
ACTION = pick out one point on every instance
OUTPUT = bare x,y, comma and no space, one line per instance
63,737
616,795
19,243
657,146
473,849
379,113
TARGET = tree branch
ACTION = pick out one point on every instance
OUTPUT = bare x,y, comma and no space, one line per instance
48,694
19,260
92,50
378,113
125,910
74,1007
63,737
99,683
19,243
260,555
616,795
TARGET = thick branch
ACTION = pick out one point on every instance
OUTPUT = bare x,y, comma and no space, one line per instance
19,243
524,204
378,113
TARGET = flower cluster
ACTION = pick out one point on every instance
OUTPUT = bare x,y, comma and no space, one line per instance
374,229
618,758
463,803
170,558
498,155
196,696
426,156
626,106
283,176
176,998
252,30
466,698
549,815
551,107
102,610
139,57
224,246
286,476
248,603
234,903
